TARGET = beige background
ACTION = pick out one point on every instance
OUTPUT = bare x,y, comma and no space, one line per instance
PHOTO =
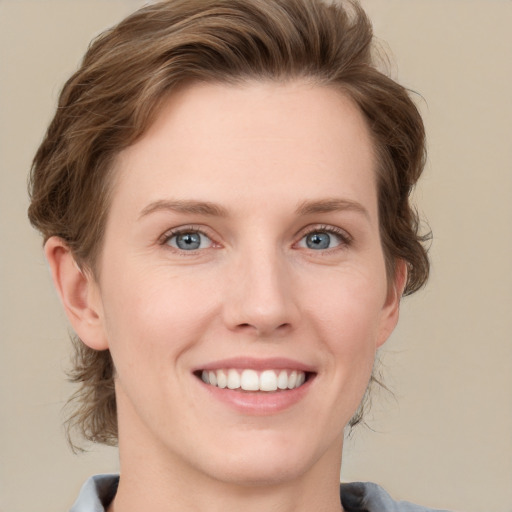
446,439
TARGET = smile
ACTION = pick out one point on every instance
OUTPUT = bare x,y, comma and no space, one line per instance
252,380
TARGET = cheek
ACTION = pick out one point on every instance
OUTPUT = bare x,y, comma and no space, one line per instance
344,317
154,315
346,312
347,304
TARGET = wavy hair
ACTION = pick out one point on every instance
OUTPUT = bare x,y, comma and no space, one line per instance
130,69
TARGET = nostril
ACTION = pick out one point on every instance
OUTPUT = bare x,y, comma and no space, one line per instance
264,330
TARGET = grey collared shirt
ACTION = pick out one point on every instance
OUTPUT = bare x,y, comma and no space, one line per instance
98,492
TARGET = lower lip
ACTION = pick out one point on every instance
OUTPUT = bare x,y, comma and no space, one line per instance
259,403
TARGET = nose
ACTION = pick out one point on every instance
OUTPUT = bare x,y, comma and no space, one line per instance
260,297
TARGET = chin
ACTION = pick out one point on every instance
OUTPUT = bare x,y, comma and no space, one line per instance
263,472
271,460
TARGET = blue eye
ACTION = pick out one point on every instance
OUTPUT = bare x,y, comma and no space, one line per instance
189,241
318,240
321,240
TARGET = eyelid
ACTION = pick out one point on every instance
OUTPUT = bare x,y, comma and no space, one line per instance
345,236
189,228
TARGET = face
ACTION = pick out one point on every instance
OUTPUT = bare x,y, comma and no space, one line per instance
242,286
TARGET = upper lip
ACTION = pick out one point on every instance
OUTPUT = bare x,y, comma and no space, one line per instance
258,364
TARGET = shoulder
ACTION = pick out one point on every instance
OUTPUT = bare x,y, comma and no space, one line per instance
96,494
99,490
369,497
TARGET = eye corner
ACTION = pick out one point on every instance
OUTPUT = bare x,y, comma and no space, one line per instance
320,238
187,239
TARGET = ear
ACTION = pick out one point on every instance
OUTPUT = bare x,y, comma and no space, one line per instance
78,292
391,308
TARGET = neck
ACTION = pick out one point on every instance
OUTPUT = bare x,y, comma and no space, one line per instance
170,496
160,482
255,469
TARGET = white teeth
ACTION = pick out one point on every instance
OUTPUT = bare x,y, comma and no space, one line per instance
292,380
233,379
268,380
222,379
251,380
282,380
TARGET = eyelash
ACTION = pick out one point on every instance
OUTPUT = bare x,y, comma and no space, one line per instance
345,239
168,235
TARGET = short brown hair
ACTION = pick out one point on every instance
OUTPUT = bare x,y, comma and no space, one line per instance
130,69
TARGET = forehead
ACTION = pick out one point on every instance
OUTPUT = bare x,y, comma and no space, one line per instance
256,138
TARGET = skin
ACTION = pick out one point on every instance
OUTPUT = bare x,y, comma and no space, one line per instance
277,161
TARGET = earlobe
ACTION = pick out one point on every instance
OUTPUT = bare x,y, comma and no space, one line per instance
78,292
391,307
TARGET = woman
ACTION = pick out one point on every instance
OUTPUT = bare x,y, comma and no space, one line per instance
224,198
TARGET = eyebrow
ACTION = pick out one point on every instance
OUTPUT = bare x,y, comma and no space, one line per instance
331,205
214,210
191,207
